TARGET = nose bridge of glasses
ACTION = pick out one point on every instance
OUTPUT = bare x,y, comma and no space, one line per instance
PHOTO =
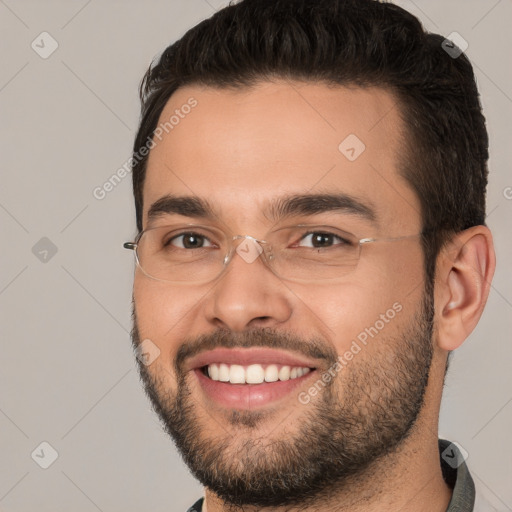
247,247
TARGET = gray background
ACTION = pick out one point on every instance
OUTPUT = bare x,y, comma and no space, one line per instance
67,373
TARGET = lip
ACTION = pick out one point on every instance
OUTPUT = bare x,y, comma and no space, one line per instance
248,396
247,356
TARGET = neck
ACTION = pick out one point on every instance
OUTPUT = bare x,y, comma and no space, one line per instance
408,479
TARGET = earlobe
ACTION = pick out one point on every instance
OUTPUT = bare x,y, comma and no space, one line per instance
463,280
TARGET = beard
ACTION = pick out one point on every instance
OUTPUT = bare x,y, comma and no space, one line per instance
359,417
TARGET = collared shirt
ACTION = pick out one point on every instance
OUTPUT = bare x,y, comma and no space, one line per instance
456,475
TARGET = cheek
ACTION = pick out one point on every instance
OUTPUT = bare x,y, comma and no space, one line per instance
343,312
374,304
163,315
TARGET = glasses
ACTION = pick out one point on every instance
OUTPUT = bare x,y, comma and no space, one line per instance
190,253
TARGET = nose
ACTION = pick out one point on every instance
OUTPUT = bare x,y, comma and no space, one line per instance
248,294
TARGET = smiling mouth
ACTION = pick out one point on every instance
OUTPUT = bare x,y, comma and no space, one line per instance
253,373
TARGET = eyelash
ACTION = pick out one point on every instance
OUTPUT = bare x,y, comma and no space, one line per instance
305,235
343,240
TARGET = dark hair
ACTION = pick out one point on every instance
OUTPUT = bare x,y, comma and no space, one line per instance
346,42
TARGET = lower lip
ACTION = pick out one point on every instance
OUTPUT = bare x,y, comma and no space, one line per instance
248,396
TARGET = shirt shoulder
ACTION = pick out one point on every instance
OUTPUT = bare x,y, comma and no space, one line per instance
457,477
468,494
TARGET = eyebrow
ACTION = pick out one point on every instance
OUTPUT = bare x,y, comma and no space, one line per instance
275,209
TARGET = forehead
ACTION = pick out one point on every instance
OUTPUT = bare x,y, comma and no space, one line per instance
240,148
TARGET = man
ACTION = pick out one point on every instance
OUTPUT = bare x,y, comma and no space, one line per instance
309,181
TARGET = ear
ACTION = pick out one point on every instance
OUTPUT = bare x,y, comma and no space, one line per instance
464,271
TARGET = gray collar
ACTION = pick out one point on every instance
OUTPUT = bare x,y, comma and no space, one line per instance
456,475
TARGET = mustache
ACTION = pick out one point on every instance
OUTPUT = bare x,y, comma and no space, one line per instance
265,337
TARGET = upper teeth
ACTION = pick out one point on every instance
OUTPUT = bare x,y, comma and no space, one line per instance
254,373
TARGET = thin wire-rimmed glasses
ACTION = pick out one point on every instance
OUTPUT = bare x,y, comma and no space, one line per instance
192,253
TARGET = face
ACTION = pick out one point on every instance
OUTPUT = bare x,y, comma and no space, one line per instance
364,337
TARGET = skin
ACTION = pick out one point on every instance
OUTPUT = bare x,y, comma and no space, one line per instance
239,148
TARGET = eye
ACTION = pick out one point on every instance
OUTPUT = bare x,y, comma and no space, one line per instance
188,240
322,239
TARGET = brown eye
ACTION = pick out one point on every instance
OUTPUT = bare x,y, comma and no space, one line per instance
320,239
189,241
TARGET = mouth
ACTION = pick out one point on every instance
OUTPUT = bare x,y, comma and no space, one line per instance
251,378
254,373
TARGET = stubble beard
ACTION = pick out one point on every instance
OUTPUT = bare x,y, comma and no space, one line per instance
361,416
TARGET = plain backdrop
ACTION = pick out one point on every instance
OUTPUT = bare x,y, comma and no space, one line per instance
67,372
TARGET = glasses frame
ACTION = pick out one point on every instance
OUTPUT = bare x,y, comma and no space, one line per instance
265,246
